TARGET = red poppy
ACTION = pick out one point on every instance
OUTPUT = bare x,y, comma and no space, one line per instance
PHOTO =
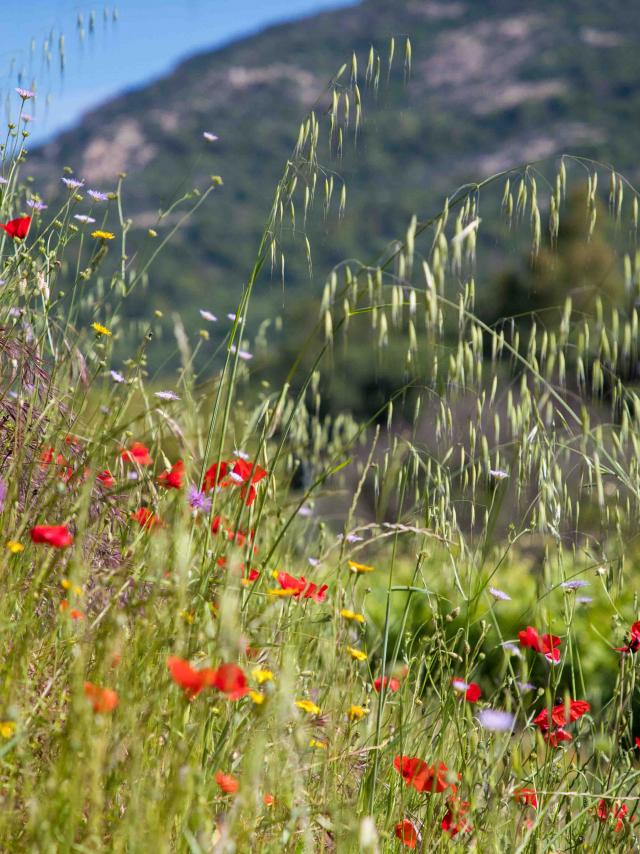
302,587
424,778
575,709
240,537
268,800
227,782
57,536
391,684
106,479
102,699
407,833
174,478
249,474
213,475
230,679
454,821
137,453
146,518
190,680
545,644
633,644
526,796
472,691
636,741
616,812
17,228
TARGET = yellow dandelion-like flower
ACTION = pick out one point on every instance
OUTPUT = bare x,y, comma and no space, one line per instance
360,567
261,675
188,617
101,330
66,583
356,713
257,697
102,235
358,654
14,547
351,615
308,706
279,591
321,745
7,729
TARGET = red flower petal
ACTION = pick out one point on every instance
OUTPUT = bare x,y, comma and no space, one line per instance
57,536
17,228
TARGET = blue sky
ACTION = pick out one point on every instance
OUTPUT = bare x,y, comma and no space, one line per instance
148,39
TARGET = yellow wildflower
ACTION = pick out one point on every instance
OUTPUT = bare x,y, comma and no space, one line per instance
279,591
351,615
257,697
308,706
188,617
7,729
360,567
356,713
14,547
102,235
101,330
358,654
261,675
322,745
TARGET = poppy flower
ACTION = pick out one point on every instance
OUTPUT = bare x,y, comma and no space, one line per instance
559,717
146,518
190,680
633,644
545,644
227,782
57,536
526,796
213,475
137,453
407,833
106,479
301,587
102,699
454,821
230,679
472,691
391,684
616,812
17,228
174,478
268,800
424,778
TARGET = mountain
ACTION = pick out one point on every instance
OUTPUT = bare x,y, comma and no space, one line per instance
494,83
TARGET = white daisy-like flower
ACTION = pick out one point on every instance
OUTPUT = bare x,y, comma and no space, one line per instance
116,376
496,720
166,395
210,137
84,218
499,594
207,315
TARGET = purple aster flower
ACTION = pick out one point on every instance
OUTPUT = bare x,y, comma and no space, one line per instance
459,684
574,585
3,494
3,180
97,196
305,511
584,600
27,118
496,720
313,561
72,183
116,376
512,648
166,395
233,316
206,315
25,94
210,137
36,205
526,686
83,218
199,500
132,475
499,594
242,354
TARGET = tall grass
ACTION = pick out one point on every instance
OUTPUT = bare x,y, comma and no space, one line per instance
359,606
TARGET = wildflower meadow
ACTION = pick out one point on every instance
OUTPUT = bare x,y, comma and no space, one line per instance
234,620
